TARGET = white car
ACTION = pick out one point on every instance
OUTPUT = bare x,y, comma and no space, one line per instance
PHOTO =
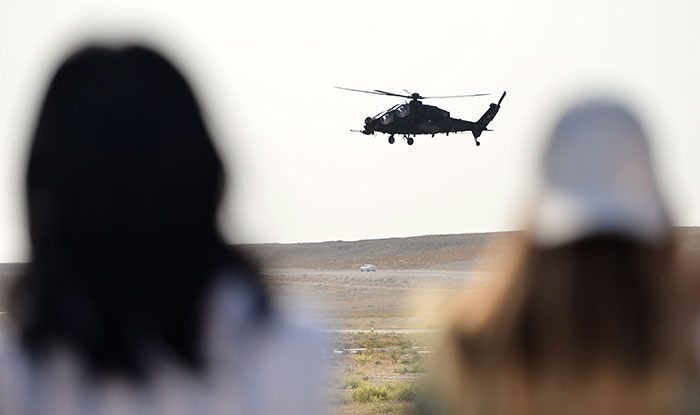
368,268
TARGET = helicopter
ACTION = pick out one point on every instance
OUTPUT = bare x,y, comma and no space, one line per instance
413,118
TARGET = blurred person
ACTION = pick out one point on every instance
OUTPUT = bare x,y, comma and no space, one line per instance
588,320
133,303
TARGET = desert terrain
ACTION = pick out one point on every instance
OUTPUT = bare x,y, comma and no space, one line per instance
323,282
382,327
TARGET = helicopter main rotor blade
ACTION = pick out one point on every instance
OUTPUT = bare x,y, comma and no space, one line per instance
409,96
359,90
457,96
392,94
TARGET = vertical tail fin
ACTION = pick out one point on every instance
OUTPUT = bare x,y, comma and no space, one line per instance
485,119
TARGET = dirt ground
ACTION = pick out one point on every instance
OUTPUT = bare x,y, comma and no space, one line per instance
406,299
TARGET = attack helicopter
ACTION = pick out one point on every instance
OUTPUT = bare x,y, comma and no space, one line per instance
413,117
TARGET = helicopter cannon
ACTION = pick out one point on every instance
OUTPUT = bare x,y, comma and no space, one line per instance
414,118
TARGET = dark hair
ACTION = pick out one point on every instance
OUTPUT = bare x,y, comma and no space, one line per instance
123,187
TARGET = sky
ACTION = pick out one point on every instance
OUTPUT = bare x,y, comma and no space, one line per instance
264,72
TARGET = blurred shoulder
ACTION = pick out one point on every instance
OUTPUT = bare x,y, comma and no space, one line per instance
275,358
232,309
15,375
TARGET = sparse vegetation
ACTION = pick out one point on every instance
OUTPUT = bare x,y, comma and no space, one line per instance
368,392
403,342
349,383
399,392
384,379
386,408
417,368
365,357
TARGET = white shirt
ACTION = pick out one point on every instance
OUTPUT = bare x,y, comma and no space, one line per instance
270,368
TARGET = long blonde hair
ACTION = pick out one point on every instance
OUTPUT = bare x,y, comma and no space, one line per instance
586,327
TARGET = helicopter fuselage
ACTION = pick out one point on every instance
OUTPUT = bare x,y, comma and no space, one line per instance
414,118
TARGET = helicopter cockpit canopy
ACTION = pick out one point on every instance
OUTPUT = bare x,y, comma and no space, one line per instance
387,118
403,110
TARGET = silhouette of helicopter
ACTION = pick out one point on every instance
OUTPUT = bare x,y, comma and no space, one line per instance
414,117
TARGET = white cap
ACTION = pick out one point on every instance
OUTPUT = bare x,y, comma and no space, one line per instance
597,178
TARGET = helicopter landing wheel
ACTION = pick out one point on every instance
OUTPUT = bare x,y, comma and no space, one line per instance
409,140
478,144
391,139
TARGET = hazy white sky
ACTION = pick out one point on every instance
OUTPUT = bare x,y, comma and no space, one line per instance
264,72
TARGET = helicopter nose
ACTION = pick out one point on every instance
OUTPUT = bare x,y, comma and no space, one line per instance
369,128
